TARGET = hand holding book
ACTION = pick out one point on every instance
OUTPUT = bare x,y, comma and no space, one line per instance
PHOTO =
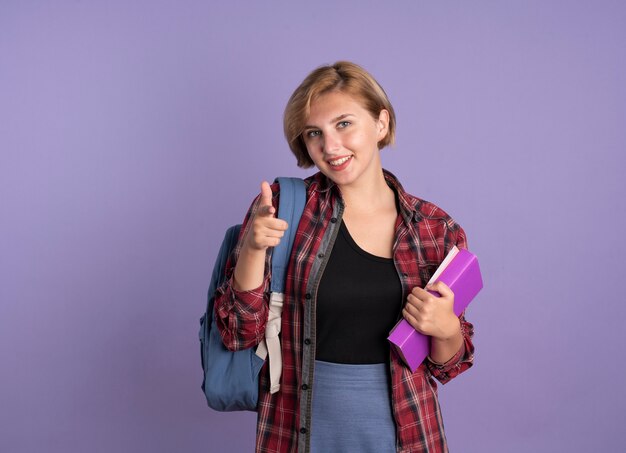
461,273
431,311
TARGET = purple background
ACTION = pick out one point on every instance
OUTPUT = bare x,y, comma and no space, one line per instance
133,133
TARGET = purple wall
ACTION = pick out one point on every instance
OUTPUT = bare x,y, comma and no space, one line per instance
133,133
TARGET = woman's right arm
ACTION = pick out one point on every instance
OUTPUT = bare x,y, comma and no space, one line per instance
240,307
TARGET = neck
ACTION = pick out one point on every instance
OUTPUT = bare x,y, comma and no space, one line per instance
368,197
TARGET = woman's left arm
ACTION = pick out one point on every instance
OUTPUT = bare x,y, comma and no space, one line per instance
452,350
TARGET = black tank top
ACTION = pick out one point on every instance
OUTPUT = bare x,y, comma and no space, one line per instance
359,300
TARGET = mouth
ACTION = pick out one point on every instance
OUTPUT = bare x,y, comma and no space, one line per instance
339,162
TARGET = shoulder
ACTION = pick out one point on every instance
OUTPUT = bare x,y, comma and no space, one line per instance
312,182
317,186
431,223
427,211
420,209
431,219
311,188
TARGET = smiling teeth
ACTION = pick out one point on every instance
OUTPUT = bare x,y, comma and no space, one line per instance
336,163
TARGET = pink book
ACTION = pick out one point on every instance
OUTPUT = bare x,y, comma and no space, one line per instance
460,271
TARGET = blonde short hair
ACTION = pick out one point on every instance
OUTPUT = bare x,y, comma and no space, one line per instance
345,77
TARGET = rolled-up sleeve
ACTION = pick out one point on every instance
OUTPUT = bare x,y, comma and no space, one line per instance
461,361
241,316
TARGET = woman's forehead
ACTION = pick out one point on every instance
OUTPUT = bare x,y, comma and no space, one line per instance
332,104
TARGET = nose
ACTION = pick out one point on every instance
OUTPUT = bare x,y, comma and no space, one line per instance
331,142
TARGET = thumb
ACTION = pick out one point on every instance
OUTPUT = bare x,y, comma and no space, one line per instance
265,203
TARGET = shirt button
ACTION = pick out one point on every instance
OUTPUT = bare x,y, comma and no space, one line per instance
333,220
321,255
303,430
305,387
307,296
307,341
405,275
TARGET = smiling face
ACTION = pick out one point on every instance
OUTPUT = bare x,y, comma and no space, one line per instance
342,139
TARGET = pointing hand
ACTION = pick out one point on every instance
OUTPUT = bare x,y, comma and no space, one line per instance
266,230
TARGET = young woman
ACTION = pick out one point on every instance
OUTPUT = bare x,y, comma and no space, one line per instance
363,253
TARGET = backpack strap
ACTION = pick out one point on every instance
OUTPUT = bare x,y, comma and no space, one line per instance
292,200
291,206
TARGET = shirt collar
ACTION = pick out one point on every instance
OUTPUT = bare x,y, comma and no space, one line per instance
407,203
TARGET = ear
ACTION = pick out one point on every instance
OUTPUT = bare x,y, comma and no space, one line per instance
382,124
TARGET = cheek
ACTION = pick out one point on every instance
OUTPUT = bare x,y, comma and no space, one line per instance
314,153
317,155
358,140
375,138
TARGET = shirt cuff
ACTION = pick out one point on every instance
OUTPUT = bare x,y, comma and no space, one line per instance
456,358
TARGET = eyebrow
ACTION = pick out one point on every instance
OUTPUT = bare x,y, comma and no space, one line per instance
334,120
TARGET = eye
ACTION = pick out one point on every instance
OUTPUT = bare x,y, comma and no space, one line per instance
343,124
313,133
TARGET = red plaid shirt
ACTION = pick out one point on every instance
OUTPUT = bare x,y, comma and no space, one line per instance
424,234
